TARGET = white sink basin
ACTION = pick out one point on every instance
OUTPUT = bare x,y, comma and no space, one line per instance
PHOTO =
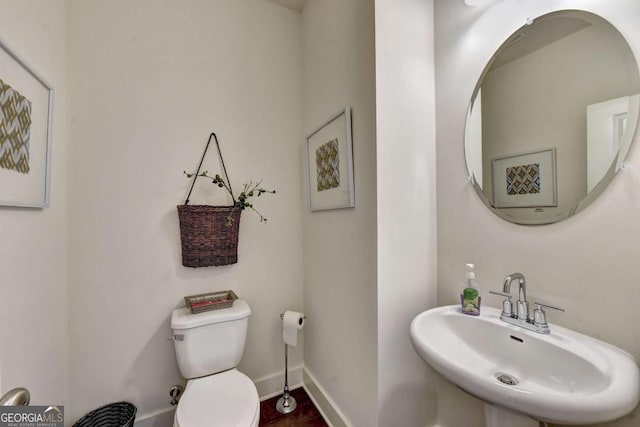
564,377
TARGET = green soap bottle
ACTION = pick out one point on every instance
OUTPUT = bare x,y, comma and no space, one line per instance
470,296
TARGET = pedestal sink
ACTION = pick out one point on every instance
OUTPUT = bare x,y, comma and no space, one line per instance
564,377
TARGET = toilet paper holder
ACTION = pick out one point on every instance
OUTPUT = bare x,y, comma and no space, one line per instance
287,403
282,316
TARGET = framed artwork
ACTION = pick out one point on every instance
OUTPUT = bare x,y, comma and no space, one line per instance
330,164
26,109
526,180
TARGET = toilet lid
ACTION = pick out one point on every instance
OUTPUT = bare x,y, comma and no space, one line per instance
227,399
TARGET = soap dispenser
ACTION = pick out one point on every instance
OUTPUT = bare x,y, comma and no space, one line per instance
470,297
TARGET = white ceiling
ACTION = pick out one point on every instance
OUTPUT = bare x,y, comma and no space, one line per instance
296,5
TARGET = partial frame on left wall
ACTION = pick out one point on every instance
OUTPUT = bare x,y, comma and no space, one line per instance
26,113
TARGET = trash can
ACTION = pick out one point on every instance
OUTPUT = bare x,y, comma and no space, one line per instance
117,414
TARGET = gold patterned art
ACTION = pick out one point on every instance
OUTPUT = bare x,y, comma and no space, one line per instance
523,179
15,129
328,166
26,112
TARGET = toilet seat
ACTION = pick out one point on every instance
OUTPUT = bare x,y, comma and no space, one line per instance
226,399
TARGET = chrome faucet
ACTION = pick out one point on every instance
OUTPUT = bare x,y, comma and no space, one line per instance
521,318
523,305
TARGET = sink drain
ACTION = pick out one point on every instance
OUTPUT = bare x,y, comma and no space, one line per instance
506,379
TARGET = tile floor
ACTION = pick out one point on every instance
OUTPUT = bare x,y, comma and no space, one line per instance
305,415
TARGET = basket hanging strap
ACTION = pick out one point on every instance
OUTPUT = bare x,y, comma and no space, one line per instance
224,169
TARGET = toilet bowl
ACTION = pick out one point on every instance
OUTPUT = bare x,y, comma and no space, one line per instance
209,346
227,399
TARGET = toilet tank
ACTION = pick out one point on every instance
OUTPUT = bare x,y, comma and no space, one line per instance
209,342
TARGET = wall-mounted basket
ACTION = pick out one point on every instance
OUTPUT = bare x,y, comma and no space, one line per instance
209,234
206,238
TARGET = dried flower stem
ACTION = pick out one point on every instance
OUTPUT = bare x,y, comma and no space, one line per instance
250,189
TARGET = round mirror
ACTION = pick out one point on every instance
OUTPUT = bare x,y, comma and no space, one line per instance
552,117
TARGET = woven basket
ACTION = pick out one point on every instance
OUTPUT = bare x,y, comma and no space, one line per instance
207,239
210,301
118,414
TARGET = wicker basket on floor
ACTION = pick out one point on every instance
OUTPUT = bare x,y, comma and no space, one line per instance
117,414
209,234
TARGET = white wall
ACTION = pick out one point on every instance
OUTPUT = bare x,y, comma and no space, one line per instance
586,264
34,338
405,115
150,80
340,245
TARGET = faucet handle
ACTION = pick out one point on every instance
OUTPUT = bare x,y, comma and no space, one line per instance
539,306
506,304
504,294
539,315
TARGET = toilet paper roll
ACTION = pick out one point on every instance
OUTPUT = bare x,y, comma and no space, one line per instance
292,322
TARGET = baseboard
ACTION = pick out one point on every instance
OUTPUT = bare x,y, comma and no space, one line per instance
164,417
161,418
326,406
273,385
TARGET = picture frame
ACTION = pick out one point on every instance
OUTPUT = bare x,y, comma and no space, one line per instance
525,180
330,164
26,112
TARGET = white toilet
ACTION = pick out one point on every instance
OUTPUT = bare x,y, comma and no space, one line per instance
209,346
